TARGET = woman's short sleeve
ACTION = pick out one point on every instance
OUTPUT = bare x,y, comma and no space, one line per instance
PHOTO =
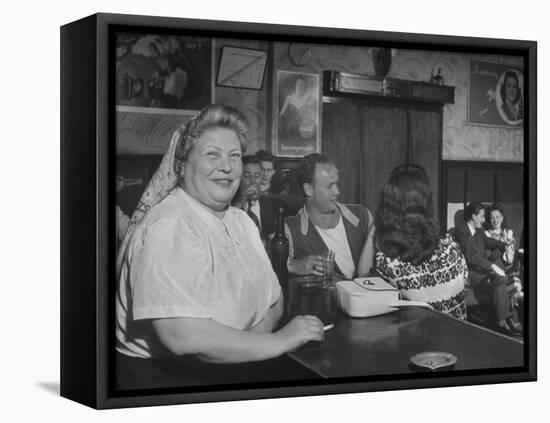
170,273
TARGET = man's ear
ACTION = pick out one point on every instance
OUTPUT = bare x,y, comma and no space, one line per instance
308,189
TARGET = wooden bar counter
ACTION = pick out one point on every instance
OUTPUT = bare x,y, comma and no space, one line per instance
384,344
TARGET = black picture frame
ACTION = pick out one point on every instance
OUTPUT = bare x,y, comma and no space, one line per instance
87,215
252,67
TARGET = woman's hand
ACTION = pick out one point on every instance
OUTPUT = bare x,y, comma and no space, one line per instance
300,330
498,270
310,265
508,255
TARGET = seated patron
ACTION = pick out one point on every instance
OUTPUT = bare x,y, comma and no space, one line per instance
196,292
410,254
496,230
325,224
486,267
268,163
260,206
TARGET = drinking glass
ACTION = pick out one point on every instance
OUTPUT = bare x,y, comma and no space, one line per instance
328,267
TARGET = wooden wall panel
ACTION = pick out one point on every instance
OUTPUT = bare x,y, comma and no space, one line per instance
341,143
425,147
384,134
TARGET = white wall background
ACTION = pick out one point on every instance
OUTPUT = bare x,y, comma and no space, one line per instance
29,305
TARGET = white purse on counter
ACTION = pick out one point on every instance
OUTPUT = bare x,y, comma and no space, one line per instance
371,296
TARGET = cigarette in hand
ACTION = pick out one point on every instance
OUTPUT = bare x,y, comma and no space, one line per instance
328,327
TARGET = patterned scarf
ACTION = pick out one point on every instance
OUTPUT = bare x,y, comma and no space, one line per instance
163,181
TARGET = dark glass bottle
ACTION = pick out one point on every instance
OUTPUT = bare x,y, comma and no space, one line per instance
279,250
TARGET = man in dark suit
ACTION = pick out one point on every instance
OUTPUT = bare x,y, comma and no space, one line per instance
262,208
485,266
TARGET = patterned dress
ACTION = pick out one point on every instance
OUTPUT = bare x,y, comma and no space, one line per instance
438,281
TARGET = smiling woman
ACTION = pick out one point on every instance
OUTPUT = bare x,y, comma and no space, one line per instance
510,107
214,169
195,284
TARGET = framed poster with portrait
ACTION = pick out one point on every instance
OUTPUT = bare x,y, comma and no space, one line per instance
161,80
163,72
297,114
496,95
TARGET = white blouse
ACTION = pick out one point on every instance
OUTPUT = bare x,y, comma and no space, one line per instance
183,261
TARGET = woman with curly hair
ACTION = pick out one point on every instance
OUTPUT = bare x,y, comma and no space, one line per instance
496,230
411,255
511,98
499,232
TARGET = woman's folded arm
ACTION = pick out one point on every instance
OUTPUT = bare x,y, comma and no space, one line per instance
216,343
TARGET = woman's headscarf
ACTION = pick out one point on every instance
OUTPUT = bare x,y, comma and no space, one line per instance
168,173
162,182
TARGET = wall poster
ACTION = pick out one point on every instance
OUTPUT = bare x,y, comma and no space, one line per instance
297,114
495,96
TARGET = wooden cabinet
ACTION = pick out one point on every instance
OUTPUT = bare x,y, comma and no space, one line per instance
368,137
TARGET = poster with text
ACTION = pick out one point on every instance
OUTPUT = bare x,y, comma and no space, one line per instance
297,114
495,96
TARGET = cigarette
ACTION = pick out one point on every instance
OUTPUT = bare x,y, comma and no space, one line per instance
328,327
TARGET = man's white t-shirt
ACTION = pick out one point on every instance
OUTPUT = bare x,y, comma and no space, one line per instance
337,241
